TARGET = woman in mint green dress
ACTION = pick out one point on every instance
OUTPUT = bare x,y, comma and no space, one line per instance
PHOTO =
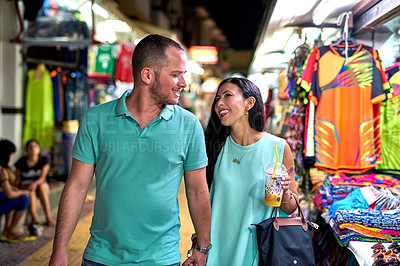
239,151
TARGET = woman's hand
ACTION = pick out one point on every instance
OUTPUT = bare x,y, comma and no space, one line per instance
286,180
26,192
33,186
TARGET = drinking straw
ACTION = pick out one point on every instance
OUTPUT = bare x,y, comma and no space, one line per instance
276,162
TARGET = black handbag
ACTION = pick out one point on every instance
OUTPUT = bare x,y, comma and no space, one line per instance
286,240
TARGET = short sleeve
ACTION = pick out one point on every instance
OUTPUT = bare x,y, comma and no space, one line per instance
381,89
196,157
308,70
18,164
84,148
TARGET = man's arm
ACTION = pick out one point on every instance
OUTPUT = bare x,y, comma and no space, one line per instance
200,211
71,203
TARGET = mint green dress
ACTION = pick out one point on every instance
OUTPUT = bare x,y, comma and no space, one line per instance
237,200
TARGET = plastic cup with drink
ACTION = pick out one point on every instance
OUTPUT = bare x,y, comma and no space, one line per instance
273,182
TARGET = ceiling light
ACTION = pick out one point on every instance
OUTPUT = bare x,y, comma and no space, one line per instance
100,11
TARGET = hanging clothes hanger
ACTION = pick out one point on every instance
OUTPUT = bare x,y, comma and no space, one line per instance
346,32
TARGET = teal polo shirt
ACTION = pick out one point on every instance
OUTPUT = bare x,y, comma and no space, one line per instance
138,173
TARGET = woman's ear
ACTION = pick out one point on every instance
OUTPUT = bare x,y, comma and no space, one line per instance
250,103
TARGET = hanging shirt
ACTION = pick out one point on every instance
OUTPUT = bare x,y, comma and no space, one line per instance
39,109
390,125
123,66
105,59
346,95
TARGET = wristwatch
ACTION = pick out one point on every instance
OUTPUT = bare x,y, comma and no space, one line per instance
203,250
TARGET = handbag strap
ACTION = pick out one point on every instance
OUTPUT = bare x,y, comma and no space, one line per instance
283,221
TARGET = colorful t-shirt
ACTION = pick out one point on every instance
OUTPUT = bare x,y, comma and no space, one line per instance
346,94
390,125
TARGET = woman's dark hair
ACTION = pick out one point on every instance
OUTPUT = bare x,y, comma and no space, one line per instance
6,149
37,142
216,133
150,52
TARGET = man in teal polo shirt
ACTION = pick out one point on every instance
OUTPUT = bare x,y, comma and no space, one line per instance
139,147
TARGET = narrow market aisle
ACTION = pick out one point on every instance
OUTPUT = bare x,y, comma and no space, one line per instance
81,236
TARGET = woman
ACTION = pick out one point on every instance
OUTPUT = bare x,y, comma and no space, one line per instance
32,171
13,202
238,152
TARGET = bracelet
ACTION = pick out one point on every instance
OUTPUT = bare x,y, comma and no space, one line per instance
291,197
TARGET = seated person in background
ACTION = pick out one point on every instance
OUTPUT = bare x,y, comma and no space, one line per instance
32,170
13,201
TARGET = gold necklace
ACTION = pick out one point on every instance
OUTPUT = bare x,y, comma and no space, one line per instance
236,160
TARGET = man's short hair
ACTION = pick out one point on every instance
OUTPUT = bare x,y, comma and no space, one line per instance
150,52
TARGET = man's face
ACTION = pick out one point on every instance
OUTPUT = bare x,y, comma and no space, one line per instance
169,80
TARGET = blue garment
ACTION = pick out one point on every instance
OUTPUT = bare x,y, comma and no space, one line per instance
56,96
237,200
76,96
138,174
355,200
387,219
20,203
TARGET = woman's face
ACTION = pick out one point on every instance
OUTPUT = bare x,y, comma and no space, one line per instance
230,105
33,149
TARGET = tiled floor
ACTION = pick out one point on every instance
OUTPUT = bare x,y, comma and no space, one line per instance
37,253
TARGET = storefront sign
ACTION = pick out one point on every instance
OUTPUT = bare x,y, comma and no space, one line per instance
204,54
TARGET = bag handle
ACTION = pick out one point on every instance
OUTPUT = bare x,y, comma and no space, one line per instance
284,221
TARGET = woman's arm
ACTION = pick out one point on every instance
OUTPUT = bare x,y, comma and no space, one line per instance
18,177
288,204
8,190
43,174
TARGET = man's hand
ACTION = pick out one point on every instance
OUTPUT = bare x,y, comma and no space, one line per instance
59,259
195,258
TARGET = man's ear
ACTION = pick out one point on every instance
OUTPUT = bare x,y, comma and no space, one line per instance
147,75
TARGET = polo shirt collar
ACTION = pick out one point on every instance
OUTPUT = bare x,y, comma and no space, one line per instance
167,113
121,109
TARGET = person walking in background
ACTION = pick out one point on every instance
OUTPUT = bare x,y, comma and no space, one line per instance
32,171
139,147
239,152
13,201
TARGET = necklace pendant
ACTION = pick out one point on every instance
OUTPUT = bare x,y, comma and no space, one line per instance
235,160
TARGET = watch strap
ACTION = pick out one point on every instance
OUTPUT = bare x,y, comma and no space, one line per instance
201,249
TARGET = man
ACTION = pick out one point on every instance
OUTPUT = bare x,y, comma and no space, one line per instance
138,147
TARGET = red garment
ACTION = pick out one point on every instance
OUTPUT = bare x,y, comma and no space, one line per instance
123,66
